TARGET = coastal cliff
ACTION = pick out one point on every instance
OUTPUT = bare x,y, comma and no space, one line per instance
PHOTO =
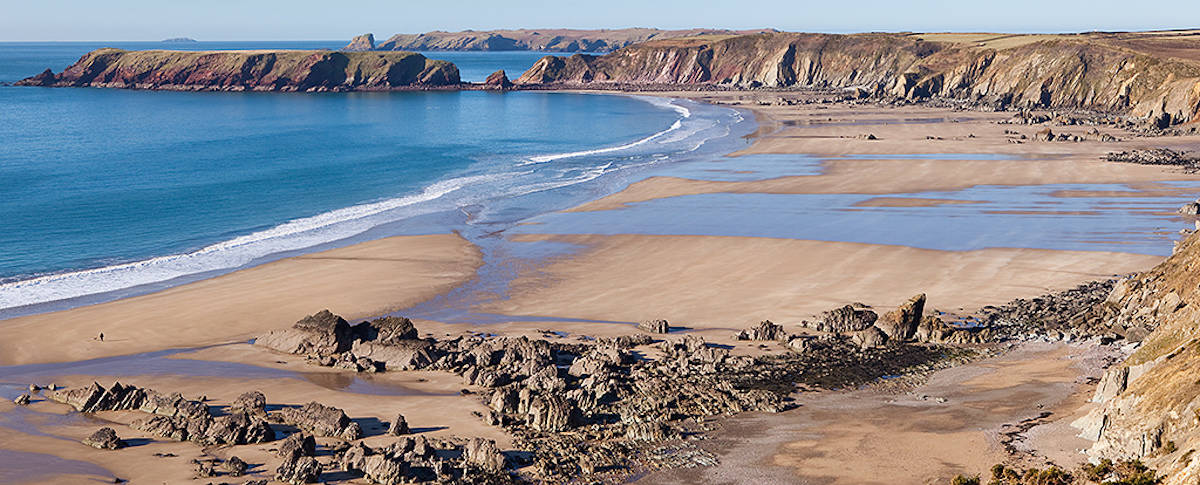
1155,76
252,71
549,40
1149,406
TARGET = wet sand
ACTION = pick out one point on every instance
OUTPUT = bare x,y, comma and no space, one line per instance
710,282
358,281
952,424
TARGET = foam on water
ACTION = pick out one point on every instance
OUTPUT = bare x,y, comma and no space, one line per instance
488,181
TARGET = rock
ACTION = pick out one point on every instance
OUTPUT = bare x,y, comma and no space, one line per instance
654,326
297,445
104,439
843,320
1190,209
322,420
647,431
303,469
205,468
1113,382
765,330
238,428
253,402
365,42
1044,134
387,330
234,466
550,414
22,400
399,426
484,453
498,79
409,355
46,78
321,334
872,337
801,343
901,324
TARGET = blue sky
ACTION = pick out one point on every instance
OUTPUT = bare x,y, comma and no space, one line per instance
329,20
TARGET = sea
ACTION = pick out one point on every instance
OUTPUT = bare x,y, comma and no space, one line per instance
109,193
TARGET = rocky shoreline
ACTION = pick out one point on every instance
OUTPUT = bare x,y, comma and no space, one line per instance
601,409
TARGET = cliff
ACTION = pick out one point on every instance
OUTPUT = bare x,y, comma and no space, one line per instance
252,71
1149,406
549,40
1141,74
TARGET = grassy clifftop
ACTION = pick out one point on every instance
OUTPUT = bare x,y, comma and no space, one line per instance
1143,75
252,71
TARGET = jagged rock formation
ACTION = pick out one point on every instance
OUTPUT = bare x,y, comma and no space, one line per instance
765,330
654,326
252,71
322,420
498,80
547,40
1137,75
843,320
901,324
1151,403
365,42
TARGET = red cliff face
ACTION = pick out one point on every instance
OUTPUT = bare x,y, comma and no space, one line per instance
253,71
1082,71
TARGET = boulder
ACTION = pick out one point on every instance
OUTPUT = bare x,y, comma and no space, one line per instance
296,445
870,338
234,466
901,324
239,428
387,330
765,330
1044,134
498,79
399,426
321,334
551,414
484,454
303,469
843,320
1190,209
409,355
22,400
654,326
322,420
253,402
104,439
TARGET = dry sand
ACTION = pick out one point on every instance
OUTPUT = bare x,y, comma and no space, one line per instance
358,281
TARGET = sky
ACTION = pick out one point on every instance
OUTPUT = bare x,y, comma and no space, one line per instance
113,20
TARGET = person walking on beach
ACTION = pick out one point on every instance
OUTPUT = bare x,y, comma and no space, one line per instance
101,336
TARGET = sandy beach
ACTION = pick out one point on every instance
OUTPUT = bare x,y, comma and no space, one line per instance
708,285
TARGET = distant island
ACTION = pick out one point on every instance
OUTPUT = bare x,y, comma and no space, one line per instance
180,40
550,40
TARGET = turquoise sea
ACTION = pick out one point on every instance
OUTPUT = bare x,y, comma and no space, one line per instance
115,192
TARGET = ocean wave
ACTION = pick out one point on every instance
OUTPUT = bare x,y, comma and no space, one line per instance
683,111
233,253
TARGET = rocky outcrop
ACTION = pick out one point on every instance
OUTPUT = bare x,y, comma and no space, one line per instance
654,326
765,330
545,40
901,324
1149,404
365,42
320,334
252,71
322,420
1097,71
845,319
498,80
104,439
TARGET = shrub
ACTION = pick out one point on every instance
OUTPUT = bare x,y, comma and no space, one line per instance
965,480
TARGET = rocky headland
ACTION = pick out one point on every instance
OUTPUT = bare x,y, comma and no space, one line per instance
1144,75
252,71
548,40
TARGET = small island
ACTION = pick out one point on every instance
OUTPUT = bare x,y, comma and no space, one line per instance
180,40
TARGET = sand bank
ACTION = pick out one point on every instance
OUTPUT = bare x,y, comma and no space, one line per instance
358,281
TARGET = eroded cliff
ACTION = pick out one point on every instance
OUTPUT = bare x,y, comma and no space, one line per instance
252,71
1149,406
1142,75
549,40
